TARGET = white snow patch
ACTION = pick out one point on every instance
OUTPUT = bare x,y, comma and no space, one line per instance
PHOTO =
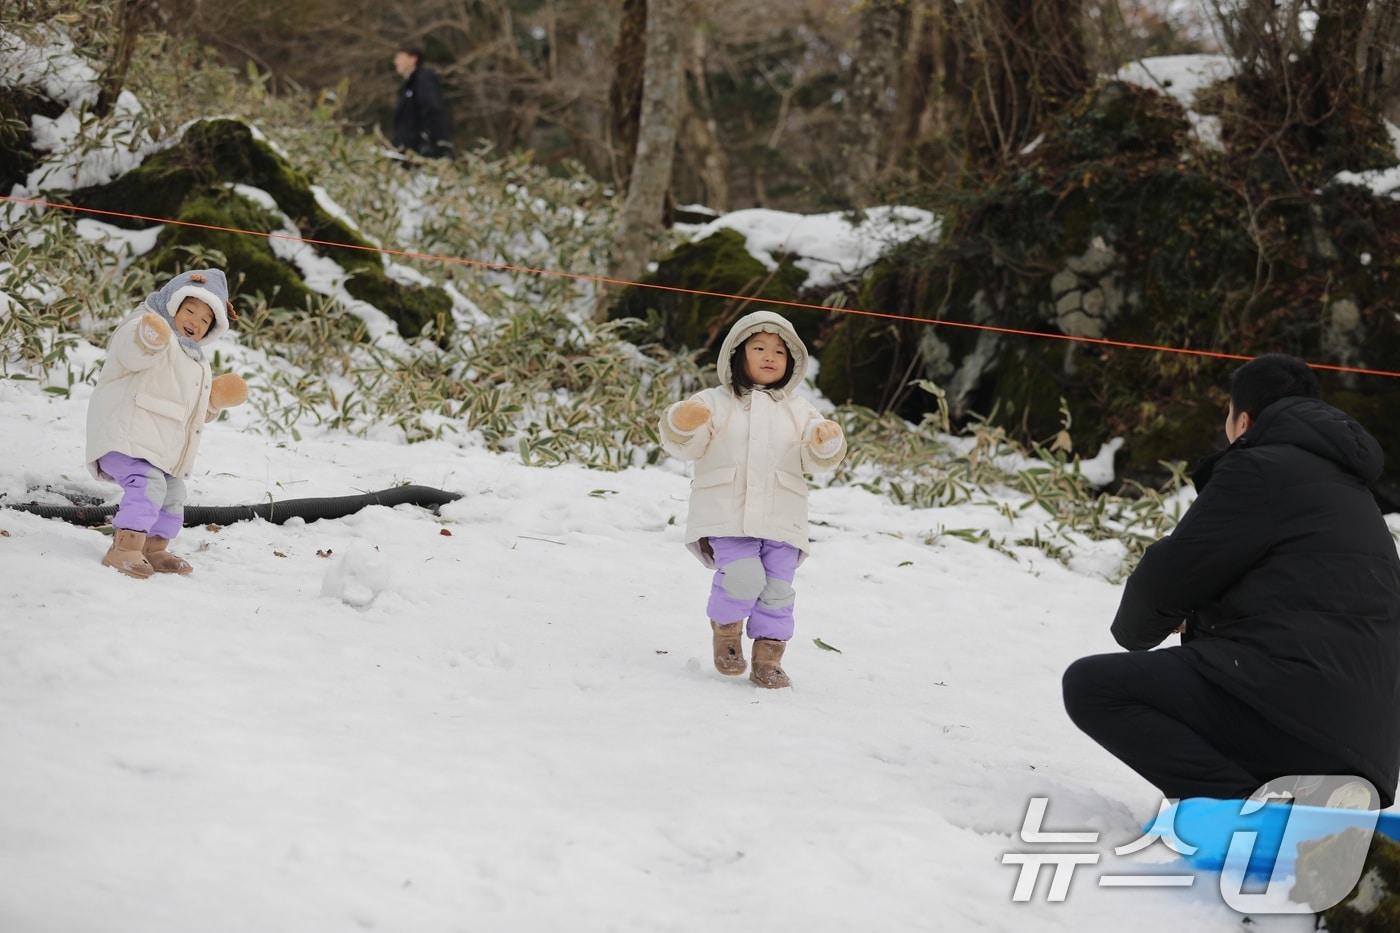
1182,77
413,196
406,275
828,247
126,244
332,207
464,310
52,66
359,576
1207,129
262,137
1382,181
82,149
1098,470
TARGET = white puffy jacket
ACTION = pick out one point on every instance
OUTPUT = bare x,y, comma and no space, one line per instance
751,455
148,404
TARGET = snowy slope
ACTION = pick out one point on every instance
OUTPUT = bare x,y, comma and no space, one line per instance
517,727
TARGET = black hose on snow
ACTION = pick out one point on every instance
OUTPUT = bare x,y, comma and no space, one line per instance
275,512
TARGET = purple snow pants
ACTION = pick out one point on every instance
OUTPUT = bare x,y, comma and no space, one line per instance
153,501
753,580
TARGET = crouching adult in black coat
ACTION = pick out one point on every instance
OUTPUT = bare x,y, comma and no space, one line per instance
1284,582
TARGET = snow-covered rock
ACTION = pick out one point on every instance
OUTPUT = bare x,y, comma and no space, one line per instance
830,248
1182,77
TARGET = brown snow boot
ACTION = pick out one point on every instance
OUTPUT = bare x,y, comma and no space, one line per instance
162,561
729,647
125,554
767,658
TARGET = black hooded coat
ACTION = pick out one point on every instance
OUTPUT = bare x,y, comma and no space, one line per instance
1287,578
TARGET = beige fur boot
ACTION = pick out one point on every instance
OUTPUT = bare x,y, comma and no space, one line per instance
767,660
161,560
125,554
729,647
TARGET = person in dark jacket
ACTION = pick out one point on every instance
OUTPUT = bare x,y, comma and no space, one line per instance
421,123
1284,582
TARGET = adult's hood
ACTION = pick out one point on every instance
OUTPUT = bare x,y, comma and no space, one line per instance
764,322
1315,426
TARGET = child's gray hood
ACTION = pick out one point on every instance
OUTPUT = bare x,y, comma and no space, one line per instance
764,322
210,287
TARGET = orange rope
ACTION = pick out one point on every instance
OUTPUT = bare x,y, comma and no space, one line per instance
607,280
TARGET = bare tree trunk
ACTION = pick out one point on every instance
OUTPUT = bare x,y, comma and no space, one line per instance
700,131
1376,49
127,16
916,85
656,140
625,93
869,102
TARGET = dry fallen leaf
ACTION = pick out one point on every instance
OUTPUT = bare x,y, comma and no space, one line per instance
278,554
326,553
445,533
213,527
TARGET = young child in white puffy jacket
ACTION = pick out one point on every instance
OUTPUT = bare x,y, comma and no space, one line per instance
153,397
752,438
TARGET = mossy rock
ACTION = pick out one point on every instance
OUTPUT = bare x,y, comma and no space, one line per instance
252,266
1116,119
1184,269
718,263
870,361
189,181
414,307
17,157
852,359
1374,905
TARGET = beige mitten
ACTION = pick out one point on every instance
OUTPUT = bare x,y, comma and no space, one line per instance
226,391
826,431
690,415
152,333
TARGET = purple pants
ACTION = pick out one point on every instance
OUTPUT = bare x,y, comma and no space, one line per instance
153,501
753,580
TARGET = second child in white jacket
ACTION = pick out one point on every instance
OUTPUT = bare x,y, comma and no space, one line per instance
752,438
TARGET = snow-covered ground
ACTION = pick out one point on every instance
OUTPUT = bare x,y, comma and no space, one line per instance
506,717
